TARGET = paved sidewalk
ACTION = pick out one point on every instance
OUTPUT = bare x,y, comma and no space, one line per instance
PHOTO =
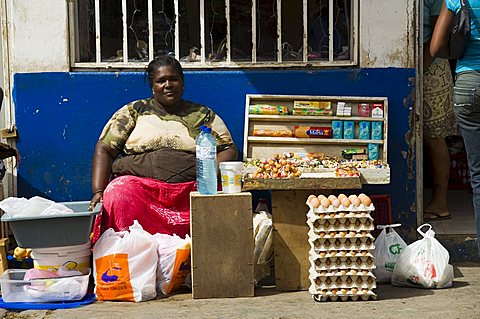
461,301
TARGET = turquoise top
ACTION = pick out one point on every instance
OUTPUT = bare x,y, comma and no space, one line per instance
430,8
471,60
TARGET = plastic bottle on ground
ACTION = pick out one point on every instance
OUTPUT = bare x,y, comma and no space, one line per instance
206,152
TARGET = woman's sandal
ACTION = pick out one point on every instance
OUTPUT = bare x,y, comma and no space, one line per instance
437,217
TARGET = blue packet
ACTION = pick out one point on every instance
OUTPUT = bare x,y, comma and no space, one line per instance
377,130
372,151
364,130
337,129
348,130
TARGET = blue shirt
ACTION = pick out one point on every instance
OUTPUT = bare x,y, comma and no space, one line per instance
431,8
471,59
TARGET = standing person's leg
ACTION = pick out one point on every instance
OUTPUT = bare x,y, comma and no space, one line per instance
467,111
438,123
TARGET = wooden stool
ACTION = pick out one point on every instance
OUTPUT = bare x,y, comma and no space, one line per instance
221,227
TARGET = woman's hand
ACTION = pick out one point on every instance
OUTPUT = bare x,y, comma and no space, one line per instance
97,198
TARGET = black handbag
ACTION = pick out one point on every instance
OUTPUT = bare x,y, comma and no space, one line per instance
460,32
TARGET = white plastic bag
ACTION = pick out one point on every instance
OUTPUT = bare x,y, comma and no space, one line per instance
263,251
35,206
173,262
424,263
388,247
125,265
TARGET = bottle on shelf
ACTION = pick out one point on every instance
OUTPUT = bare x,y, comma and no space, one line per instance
206,154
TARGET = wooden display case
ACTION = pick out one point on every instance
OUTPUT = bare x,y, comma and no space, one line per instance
264,147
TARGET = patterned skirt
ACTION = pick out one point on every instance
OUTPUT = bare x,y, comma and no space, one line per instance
438,118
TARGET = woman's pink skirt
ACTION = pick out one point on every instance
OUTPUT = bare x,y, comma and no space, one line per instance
158,206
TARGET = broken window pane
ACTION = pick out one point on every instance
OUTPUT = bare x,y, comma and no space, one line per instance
215,30
241,30
85,44
292,30
189,30
163,27
267,30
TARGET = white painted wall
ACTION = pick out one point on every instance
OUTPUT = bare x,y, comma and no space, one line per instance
387,33
38,35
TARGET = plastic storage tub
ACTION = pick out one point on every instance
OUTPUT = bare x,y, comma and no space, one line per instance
15,289
55,230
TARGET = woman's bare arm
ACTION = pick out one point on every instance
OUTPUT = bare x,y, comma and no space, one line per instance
441,34
103,158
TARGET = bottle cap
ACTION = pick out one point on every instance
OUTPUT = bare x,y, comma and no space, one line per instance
205,129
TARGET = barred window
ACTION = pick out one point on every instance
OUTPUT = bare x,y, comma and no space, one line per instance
214,33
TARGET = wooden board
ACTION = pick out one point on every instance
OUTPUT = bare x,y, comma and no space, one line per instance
302,183
221,228
290,239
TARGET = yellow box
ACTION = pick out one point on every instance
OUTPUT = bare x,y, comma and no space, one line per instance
325,105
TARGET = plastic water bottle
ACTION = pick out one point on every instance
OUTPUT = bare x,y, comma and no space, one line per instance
206,153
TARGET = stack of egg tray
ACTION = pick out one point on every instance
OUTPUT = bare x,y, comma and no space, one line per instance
341,253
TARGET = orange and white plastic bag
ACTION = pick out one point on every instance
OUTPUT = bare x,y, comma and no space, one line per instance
125,265
173,262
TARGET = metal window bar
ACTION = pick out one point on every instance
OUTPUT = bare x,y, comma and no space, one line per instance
150,31
305,30
254,31
125,31
279,32
353,27
330,30
98,54
228,44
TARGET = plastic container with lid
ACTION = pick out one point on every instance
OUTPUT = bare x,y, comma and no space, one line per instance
16,289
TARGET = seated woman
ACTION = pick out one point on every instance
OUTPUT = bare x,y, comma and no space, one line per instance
154,175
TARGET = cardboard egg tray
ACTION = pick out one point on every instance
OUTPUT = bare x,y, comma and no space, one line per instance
352,234
340,273
326,244
356,223
342,282
343,295
320,210
332,263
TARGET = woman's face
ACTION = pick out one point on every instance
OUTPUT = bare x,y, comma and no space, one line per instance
167,86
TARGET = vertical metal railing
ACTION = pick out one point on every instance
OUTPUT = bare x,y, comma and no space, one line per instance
98,54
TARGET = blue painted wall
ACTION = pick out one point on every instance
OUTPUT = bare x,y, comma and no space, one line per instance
59,117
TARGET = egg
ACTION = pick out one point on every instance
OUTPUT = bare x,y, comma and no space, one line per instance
309,199
343,272
342,215
352,197
354,291
342,234
332,197
353,253
323,273
333,253
322,234
353,272
336,202
322,254
361,195
341,197
343,291
320,197
343,253
356,201
325,202
315,202
332,234
346,202
332,215
334,291
366,201
322,215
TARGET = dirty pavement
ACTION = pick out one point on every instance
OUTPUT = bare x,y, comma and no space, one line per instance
461,301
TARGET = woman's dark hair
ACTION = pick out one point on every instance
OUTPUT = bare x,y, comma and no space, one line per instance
158,62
